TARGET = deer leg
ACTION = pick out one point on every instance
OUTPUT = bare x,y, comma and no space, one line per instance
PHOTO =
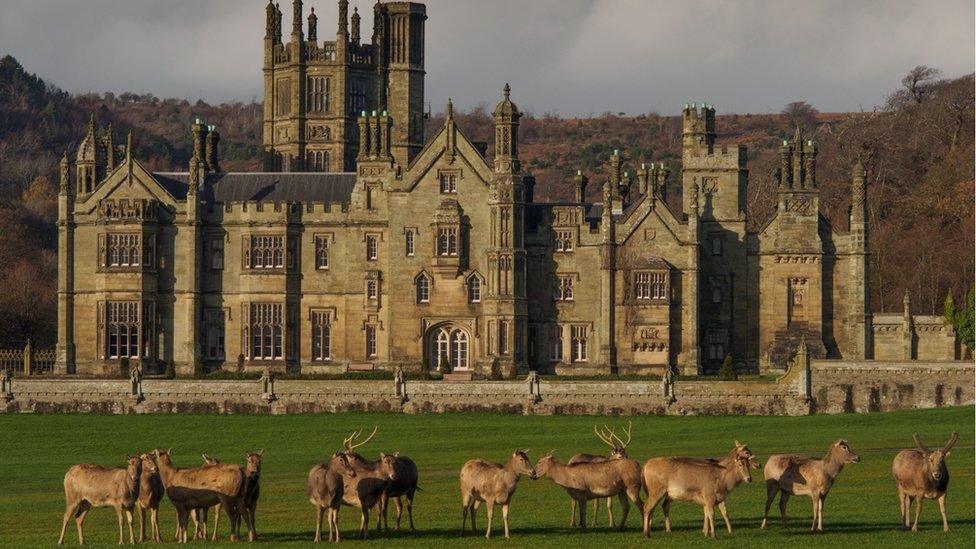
216,521
505,518
142,523
319,511
625,504
902,500
725,516
489,507
581,503
596,511
80,515
772,488
942,509
477,505
610,511
251,512
410,510
118,515
69,510
128,518
649,505
572,514
154,520
398,503
823,498
784,497
709,527
918,511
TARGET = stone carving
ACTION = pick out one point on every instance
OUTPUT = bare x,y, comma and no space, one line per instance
399,384
267,387
797,205
6,386
135,381
667,384
533,382
319,132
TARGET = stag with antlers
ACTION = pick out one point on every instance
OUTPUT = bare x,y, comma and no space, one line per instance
618,450
922,474
366,488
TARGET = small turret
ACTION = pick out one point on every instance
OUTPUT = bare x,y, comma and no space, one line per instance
581,181
212,149
313,26
355,26
109,149
616,200
64,189
272,31
278,28
198,163
342,33
90,160
798,166
698,129
506,117
858,195
296,22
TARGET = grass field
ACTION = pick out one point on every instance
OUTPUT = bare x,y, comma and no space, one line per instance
862,510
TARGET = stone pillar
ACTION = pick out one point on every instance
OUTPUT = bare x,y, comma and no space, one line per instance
691,361
65,363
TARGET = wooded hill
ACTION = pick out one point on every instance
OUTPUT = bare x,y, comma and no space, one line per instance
917,147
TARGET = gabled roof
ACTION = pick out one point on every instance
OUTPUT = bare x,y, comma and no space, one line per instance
266,187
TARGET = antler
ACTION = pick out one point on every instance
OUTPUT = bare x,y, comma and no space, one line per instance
606,440
348,443
630,428
918,442
951,443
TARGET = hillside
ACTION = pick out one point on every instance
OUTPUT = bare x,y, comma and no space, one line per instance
918,149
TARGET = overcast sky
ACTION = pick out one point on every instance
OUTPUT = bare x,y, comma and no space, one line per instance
571,57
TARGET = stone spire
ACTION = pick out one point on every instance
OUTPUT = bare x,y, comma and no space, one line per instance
65,183
296,21
313,26
355,25
507,118
271,30
343,32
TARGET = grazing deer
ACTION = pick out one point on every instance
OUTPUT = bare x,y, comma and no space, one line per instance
203,487
922,474
366,489
87,486
791,475
325,490
150,494
491,483
405,484
618,450
586,481
707,482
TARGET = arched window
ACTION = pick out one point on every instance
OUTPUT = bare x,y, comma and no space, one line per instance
443,346
459,349
423,289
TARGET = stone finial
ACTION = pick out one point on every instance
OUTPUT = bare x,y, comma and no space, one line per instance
313,26
65,183
355,25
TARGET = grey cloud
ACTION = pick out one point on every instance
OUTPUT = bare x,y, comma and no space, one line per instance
565,56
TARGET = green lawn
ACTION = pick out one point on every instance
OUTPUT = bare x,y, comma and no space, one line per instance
862,510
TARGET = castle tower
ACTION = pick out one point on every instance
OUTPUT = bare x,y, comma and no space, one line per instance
89,162
314,93
859,293
698,128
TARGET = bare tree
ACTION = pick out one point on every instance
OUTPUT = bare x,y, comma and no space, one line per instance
918,82
802,114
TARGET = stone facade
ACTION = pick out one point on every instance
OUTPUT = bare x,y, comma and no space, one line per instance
427,255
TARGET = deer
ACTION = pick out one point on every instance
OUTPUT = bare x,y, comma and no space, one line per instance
922,474
791,475
325,490
205,486
199,516
372,479
405,484
707,482
87,486
252,468
618,450
585,481
491,483
150,494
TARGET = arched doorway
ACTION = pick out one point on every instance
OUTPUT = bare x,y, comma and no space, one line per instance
450,343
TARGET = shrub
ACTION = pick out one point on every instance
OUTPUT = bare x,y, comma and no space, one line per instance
124,367
240,363
727,371
199,370
496,371
170,369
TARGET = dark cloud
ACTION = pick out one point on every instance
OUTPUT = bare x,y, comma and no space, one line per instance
564,56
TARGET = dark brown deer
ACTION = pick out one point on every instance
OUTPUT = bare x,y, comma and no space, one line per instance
802,476
491,483
407,478
252,468
87,486
618,450
150,494
922,474
707,482
366,489
325,491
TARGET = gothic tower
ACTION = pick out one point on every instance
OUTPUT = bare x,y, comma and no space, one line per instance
315,92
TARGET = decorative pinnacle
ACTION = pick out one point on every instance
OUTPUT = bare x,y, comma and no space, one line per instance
450,108
507,90
128,147
859,169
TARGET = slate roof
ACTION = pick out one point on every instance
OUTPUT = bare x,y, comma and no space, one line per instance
266,187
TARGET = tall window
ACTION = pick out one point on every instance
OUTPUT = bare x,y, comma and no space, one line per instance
555,343
372,247
659,286
423,289
317,161
716,292
459,349
564,241
217,253
448,183
451,345
564,288
322,252
409,241
266,331
650,285
370,340
122,325
579,344
318,94
503,337
716,241
213,328
372,289
129,250
321,335
447,241
715,340
283,97
357,95
474,289
642,285
265,252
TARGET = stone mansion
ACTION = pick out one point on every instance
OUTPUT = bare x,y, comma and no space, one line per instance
366,244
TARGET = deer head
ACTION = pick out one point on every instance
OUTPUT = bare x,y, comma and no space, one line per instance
341,464
935,458
521,465
618,448
387,465
163,457
350,443
148,463
546,461
210,460
133,466
253,462
845,453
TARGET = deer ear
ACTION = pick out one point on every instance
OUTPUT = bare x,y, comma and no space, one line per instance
382,455
126,457
737,443
396,454
261,453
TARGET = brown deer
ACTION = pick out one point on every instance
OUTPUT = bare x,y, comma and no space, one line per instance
491,483
707,482
252,468
150,494
922,474
618,450
205,486
791,475
87,486
407,478
366,489
325,490
586,481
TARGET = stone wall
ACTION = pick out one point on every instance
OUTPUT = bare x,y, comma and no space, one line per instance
824,386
